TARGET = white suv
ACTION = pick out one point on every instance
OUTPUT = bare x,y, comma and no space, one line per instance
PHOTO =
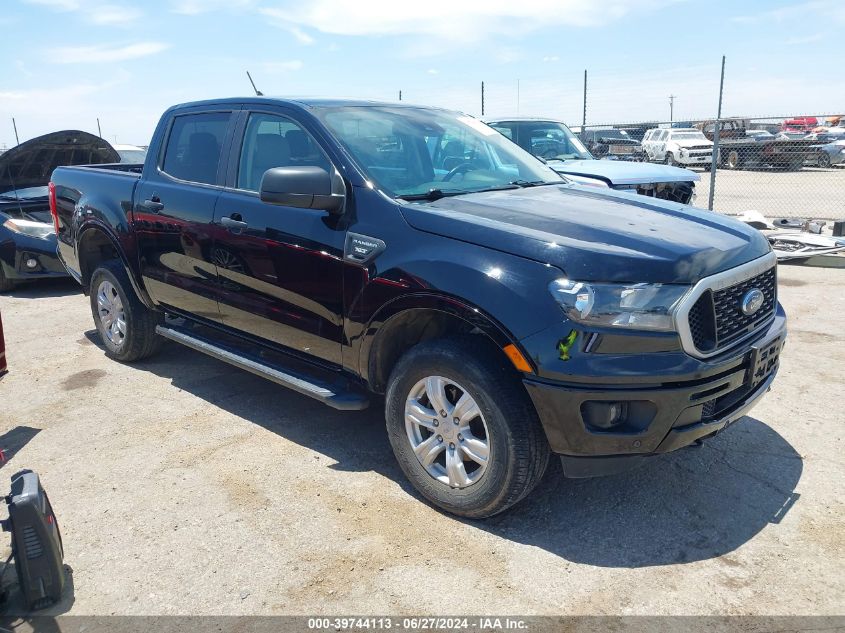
677,146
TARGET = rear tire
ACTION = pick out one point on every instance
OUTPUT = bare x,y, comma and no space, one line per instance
824,160
504,420
733,160
126,326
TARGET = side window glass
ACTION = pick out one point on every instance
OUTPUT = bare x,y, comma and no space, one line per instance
274,141
193,147
506,131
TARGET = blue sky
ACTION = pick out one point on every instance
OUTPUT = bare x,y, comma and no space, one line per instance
67,62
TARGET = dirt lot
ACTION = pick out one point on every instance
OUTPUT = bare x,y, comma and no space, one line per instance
808,193
184,486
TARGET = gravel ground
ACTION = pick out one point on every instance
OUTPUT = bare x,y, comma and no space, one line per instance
808,193
184,486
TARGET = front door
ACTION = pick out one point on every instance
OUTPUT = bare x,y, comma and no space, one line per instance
280,268
174,211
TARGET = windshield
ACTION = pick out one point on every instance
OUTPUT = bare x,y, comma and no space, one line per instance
610,134
694,136
132,156
413,151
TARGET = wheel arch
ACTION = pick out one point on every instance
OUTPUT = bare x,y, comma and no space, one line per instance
409,320
97,244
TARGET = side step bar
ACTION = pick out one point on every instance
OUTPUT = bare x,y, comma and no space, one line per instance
332,393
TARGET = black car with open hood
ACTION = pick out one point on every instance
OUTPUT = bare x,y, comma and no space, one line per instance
27,234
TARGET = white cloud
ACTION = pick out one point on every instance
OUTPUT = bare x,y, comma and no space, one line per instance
59,5
104,53
95,12
195,7
432,71
114,15
469,20
551,58
806,39
282,67
814,12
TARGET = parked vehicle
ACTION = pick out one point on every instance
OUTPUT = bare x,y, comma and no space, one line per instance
829,154
27,234
615,144
728,128
577,163
764,151
681,146
800,124
131,154
504,313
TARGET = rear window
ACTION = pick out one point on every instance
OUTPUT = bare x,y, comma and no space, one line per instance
194,145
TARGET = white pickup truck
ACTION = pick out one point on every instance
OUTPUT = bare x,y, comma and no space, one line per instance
677,146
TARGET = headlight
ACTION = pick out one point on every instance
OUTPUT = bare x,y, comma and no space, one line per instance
30,228
634,306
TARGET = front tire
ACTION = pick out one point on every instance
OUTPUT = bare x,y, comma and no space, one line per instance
6,284
126,326
462,427
824,160
670,160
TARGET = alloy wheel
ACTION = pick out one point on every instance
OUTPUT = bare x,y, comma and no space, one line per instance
447,431
111,313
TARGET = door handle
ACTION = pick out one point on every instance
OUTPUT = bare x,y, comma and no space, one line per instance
233,222
154,205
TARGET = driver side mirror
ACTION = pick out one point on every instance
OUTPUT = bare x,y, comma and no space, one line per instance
304,187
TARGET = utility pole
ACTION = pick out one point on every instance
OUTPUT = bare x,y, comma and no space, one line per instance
717,132
99,131
584,118
671,108
400,95
482,98
15,125
517,96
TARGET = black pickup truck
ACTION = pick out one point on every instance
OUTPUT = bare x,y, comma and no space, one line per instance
349,250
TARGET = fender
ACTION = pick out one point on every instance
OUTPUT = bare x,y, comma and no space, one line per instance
93,225
473,315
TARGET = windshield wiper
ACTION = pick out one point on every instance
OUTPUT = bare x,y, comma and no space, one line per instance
431,195
534,183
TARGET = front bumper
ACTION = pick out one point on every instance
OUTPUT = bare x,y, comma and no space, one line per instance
660,416
16,249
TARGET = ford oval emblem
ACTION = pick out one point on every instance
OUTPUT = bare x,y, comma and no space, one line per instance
752,301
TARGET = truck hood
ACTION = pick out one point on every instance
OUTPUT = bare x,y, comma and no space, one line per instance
31,163
618,172
594,236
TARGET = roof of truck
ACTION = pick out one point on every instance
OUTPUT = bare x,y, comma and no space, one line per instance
306,102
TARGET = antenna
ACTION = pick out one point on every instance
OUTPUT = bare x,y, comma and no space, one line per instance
258,93
99,130
15,125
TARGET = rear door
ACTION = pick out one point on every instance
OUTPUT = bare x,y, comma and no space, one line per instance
280,268
174,211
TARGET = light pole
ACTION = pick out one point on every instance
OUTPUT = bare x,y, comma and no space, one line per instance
671,108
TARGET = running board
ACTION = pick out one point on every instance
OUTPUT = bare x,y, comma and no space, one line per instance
330,392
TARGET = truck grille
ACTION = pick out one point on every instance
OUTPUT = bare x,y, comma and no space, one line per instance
716,320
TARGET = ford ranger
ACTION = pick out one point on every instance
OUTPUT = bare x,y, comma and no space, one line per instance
360,252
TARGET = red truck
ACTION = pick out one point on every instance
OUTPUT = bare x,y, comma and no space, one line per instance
800,124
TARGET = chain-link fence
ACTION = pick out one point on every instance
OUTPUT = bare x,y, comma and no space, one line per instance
791,165
778,166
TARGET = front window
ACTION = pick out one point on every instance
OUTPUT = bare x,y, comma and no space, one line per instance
410,151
